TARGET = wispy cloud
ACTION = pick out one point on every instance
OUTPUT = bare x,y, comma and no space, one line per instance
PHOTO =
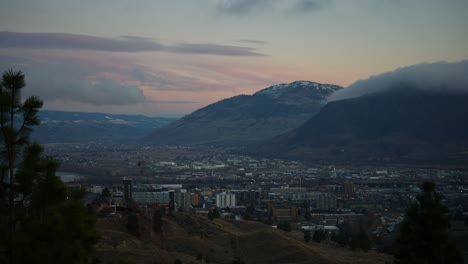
252,41
121,44
215,49
242,7
157,83
75,41
100,81
174,102
307,6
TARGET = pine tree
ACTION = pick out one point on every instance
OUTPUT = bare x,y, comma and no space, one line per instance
423,234
16,122
41,220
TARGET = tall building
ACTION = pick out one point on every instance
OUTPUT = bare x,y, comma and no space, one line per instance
184,199
247,197
326,201
224,200
195,199
128,185
348,188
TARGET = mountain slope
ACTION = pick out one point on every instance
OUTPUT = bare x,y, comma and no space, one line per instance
64,127
244,119
390,125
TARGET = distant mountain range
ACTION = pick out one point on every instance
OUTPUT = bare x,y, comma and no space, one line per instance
245,119
65,127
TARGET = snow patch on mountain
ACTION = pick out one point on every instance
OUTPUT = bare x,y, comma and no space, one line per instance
279,89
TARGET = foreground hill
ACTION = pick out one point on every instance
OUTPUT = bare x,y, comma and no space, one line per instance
414,114
244,119
187,236
66,127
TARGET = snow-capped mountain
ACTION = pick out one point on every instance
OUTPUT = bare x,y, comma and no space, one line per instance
244,119
318,89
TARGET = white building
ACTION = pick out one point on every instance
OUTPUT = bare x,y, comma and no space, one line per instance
225,200
183,199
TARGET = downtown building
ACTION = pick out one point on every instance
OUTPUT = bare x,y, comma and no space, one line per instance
224,200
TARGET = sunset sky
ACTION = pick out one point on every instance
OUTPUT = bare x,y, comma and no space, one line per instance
168,58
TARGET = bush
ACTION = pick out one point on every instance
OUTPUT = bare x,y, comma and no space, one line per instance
284,225
319,236
213,214
307,236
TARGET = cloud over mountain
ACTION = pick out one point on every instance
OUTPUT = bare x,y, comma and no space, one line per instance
449,77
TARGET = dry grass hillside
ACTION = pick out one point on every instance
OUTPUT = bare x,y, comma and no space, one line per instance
195,239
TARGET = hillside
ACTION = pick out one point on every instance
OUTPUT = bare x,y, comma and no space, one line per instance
244,119
68,127
187,236
415,126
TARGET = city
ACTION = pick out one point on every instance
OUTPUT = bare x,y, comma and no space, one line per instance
333,198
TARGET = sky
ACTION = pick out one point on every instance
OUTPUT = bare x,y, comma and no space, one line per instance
169,58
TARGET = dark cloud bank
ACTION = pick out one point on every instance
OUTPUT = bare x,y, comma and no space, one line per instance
122,44
447,77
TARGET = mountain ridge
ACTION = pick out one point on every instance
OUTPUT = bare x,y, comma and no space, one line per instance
243,119
74,127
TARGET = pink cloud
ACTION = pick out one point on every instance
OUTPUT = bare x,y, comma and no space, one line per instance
164,80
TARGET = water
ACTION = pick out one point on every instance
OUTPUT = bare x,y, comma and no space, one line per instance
70,176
